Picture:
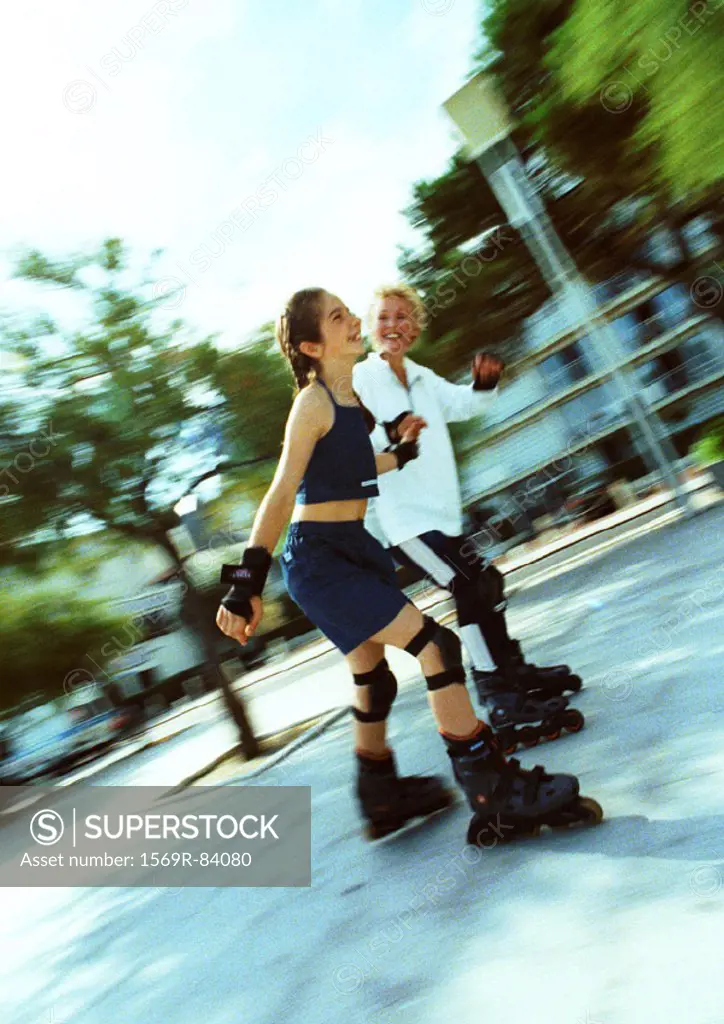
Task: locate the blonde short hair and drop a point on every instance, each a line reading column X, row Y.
column 398, row 291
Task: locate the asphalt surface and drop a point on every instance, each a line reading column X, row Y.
column 617, row 924
column 278, row 695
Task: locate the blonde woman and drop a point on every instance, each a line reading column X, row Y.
column 419, row 517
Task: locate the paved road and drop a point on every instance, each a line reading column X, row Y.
column 280, row 695
column 623, row 924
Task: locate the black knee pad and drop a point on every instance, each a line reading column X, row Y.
column 451, row 653
column 383, row 690
column 494, row 583
column 450, row 650
column 481, row 595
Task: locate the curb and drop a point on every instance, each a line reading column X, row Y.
column 666, row 517
column 323, row 647
column 327, row 720
column 124, row 755
column 659, row 510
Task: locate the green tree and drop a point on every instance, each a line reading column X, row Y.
column 658, row 59
column 47, row 637
column 616, row 98
column 615, row 164
column 110, row 423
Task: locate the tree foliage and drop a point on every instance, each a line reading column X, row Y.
column 608, row 103
column 109, row 424
column 132, row 411
column 656, row 63
column 52, row 641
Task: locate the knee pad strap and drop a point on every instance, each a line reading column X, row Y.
column 446, row 678
column 383, row 690
column 423, row 638
column 451, row 653
column 450, row 650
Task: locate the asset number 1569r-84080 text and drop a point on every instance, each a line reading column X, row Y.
column 204, row 860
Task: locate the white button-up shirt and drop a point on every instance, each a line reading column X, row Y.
column 425, row 494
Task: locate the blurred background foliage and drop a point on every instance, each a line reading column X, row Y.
column 620, row 130
column 47, row 637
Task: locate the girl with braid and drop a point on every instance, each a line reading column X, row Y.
column 344, row 581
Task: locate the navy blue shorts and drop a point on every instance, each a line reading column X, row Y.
column 343, row 580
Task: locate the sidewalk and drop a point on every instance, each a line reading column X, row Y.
column 619, row 924
column 280, row 695
column 274, row 706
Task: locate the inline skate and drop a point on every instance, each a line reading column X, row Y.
column 543, row 681
column 508, row 801
column 389, row 801
column 520, row 717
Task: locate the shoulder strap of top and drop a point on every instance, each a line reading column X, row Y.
column 320, row 381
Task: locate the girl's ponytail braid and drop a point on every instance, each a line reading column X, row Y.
column 300, row 322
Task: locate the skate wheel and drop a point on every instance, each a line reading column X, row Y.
column 583, row 811
column 591, row 810
column 447, row 799
column 510, row 749
column 528, row 737
column 573, row 721
column 555, row 735
column 379, row 829
column 574, row 684
column 373, row 831
column 488, row 833
column 476, row 830
column 485, row 833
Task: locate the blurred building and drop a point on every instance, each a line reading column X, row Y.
column 560, row 424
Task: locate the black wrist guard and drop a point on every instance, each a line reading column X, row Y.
column 248, row 580
column 405, row 452
column 478, row 385
column 238, row 603
column 392, row 427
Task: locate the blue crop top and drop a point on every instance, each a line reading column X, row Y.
column 342, row 466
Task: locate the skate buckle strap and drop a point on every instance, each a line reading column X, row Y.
column 533, row 781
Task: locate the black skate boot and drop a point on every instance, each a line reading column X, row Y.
column 389, row 801
column 519, row 717
column 507, row 800
column 543, row 681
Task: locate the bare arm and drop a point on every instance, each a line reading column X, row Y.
column 310, row 418
column 385, row 462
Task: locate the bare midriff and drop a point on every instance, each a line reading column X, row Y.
column 331, row 511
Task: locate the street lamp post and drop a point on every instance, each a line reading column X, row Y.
column 482, row 118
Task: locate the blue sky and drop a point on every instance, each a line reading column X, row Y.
column 168, row 122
